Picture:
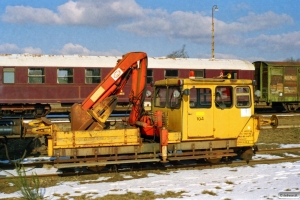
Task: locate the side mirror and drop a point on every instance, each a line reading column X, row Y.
column 148, row 93
column 186, row 92
column 176, row 94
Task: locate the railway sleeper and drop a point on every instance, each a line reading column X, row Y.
column 107, row 158
column 88, row 164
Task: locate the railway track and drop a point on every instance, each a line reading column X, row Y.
column 48, row 163
column 285, row 120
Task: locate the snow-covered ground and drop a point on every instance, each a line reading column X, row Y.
column 261, row 181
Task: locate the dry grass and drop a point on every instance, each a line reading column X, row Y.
column 229, row 182
column 145, row 195
column 116, row 177
column 209, row 192
column 7, row 187
column 273, row 138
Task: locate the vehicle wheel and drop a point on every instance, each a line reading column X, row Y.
column 97, row 168
column 247, row 155
column 213, row 160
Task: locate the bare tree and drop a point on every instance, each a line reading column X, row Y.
column 291, row 59
column 181, row 53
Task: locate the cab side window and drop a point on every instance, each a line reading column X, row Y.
column 200, row 98
column 223, row 97
column 174, row 97
column 243, row 97
column 160, row 97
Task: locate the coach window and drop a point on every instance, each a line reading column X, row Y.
column 160, row 97
column 149, row 76
column 199, row 73
column 223, row 97
column 171, row 73
column 36, row 75
column 8, row 75
column 64, row 75
column 92, row 76
column 200, row 98
column 243, row 97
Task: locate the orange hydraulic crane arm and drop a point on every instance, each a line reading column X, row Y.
column 114, row 79
column 99, row 104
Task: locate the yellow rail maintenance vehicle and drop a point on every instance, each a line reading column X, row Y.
column 190, row 119
column 210, row 115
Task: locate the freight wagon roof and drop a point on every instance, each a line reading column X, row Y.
column 278, row 64
column 32, row 60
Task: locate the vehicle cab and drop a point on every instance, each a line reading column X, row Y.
column 208, row 109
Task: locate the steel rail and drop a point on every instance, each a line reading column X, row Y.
column 161, row 166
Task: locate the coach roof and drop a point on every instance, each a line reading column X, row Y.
column 38, row 60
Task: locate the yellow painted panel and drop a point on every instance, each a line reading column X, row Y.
column 249, row 135
column 244, row 142
column 200, row 113
column 174, row 137
column 129, row 136
column 229, row 123
column 63, row 138
column 50, row 147
column 174, row 117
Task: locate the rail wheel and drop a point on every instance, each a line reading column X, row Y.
column 247, row 155
column 97, row 168
column 290, row 107
column 41, row 110
column 213, row 160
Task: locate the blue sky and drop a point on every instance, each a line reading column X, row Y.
column 249, row 30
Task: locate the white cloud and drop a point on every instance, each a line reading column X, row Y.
column 287, row 42
column 22, row 14
column 240, row 6
column 100, row 13
column 268, row 20
column 145, row 22
column 176, row 25
column 69, row 49
column 197, row 26
column 128, row 16
column 13, row 48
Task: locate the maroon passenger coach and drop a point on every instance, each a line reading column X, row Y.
column 37, row 84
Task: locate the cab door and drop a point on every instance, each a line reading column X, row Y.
column 200, row 113
column 225, row 114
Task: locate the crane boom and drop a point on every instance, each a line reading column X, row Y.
column 97, row 107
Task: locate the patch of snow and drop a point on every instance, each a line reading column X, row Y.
column 261, row 181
